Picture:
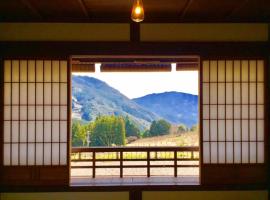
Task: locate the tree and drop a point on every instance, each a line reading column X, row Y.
column 194, row 127
column 182, row 128
column 131, row 129
column 79, row 134
column 108, row 131
column 160, row 127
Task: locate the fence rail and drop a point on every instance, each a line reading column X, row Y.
column 96, row 155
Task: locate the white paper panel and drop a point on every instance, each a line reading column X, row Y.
column 47, row 93
column 55, row 93
column 245, row 70
column 7, row 70
column 213, row 130
column 39, row 131
column 55, row 155
column 237, row 111
column 23, row 112
column 245, row 111
column 252, row 111
column 31, row 70
column 23, row 154
column 206, row 130
column 55, row 71
column 31, row 112
column 55, row 131
column 252, row 93
column 15, row 93
column 205, row 93
column 31, row 131
column 221, row 111
column 245, row 152
column 213, row 111
column 23, row 93
column 63, row 154
column 237, row 93
column 213, row 93
column 206, row 112
column 206, row 71
column 47, row 71
column 39, row 73
column 252, row 70
column 229, row 93
column 245, row 130
column 236, row 72
column 237, row 152
column 31, row 153
column 260, row 130
column 237, row 130
column 221, row 93
column 39, row 94
column 55, row 113
column 244, row 93
column 23, row 131
column 221, row 130
column 213, row 71
column 260, row 93
column 47, row 131
column 229, row 130
column 47, row 153
column 229, row 71
column 229, row 152
column 206, row 152
column 63, row 71
column 15, row 154
column 31, row 93
column 221, row 152
column 7, row 93
column 260, row 152
column 213, row 152
column 6, row 154
column 15, row 113
column 63, row 131
column 252, row 130
column 15, row 131
column 260, row 70
column 47, row 112
column 7, row 112
column 39, row 112
column 63, row 94
column 229, row 111
column 63, row 112
column 23, row 71
column 6, row 131
column 252, row 152
column 39, row 154
column 260, row 111
column 221, row 71
column 15, row 70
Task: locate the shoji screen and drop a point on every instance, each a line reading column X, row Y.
column 233, row 131
column 35, row 127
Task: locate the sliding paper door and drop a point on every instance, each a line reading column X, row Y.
column 35, row 122
column 233, row 121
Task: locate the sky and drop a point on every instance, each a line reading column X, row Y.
column 138, row 84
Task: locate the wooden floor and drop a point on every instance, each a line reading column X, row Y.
column 115, row 181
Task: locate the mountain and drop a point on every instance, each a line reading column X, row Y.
column 92, row 97
column 176, row 107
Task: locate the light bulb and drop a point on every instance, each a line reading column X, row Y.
column 137, row 13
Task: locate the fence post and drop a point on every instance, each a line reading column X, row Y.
column 94, row 165
column 175, row 163
column 148, row 163
column 121, row 164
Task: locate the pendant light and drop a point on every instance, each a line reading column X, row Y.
column 137, row 13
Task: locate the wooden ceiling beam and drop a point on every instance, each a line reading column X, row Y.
column 84, row 8
column 30, row 7
column 186, row 7
column 237, row 8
